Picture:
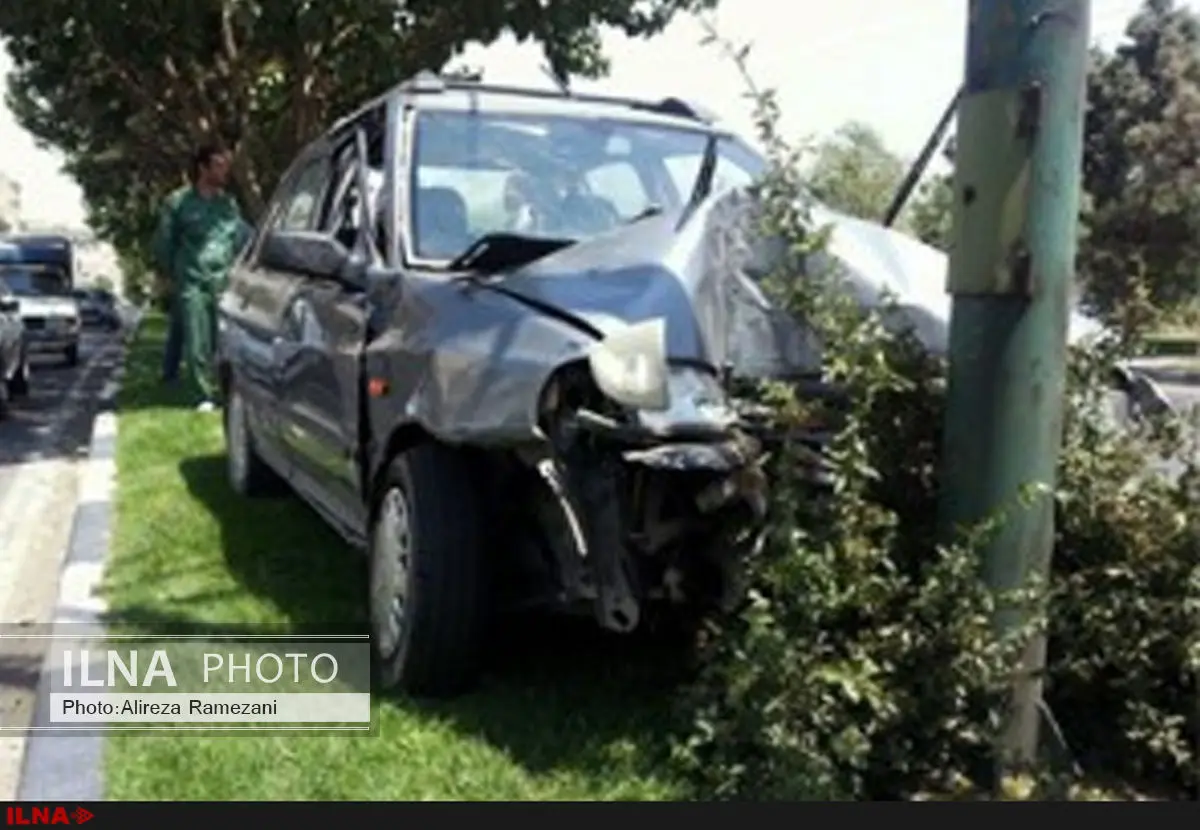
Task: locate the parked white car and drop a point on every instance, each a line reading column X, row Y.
column 48, row 310
column 14, row 358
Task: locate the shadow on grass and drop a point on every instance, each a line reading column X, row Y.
column 556, row 692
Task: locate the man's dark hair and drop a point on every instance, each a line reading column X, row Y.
column 204, row 154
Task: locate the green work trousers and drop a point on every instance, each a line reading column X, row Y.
column 198, row 311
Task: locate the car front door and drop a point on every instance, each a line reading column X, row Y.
column 254, row 311
column 327, row 330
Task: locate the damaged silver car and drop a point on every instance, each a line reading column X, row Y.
column 489, row 335
column 486, row 334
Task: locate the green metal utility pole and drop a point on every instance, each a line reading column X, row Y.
column 1017, row 183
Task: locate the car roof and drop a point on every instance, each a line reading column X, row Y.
column 429, row 91
column 35, row 240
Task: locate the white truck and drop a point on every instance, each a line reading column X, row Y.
column 40, row 271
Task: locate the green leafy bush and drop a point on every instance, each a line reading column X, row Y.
column 864, row 663
column 1121, row 674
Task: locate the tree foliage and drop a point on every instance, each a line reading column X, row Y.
column 864, row 663
column 126, row 88
column 1142, row 163
column 929, row 215
column 853, row 171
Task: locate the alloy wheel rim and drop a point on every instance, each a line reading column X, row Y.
column 390, row 567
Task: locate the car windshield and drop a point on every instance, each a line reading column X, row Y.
column 550, row 176
column 34, row 280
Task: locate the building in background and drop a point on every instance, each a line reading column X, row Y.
column 10, row 204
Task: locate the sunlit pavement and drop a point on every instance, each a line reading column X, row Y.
column 40, row 444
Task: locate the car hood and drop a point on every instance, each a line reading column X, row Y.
column 703, row 279
column 699, row 278
column 57, row 306
column 879, row 261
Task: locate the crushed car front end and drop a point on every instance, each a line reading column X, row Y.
column 583, row 346
column 651, row 487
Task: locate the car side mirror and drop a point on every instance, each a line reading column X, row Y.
column 9, row 305
column 304, row 252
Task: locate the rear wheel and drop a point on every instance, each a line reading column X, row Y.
column 18, row 384
column 428, row 595
column 248, row 474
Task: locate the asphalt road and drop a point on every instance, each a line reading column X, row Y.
column 40, row 445
column 54, row 418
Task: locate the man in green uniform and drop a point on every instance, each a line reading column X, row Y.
column 200, row 232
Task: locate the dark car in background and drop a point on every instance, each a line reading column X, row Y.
column 98, row 309
column 14, row 357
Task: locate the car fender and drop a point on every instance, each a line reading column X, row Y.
column 458, row 363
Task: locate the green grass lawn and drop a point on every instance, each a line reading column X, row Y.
column 564, row 713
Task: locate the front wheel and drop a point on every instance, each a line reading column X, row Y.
column 72, row 354
column 428, row 595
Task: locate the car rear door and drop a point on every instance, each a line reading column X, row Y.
column 256, row 309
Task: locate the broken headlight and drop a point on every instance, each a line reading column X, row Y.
column 696, row 403
column 630, row 365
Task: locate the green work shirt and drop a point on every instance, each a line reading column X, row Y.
column 198, row 237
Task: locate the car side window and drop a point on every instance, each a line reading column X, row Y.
column 302, row 207
column 338, row 213
column 343, row 216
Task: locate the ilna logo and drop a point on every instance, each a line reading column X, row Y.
column 46, row 815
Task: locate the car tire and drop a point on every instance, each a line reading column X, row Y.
column 5, row 396
column 248, row 474
column 18, row 384
column 72, row 355
column 427, row 590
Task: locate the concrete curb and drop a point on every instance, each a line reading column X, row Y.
column 61, row 768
